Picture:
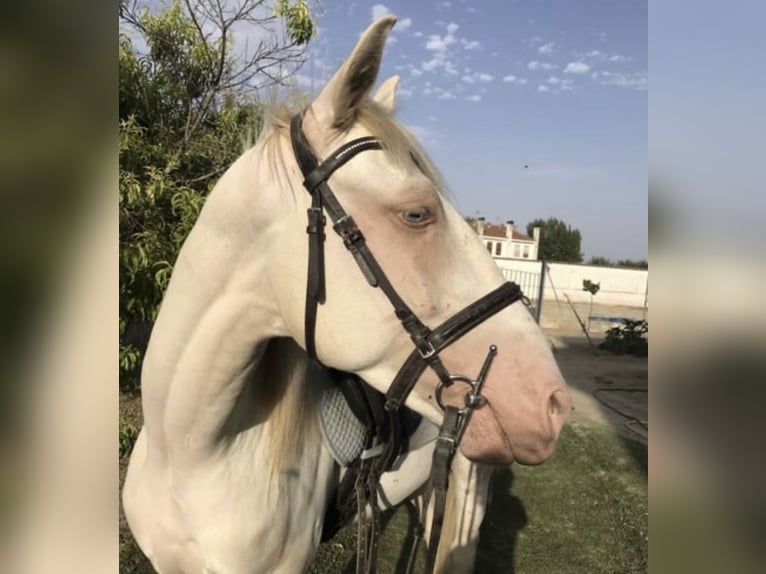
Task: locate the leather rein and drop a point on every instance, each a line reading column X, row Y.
column 384, row 450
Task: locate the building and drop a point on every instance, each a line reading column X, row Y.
column 506, row 242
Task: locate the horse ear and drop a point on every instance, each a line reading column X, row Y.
column 386, row 94
column 338, row 102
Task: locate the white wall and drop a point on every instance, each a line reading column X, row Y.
column 626, row 287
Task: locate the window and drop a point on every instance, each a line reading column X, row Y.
column 526, row 252
column 498, row 247
column 489, row 247
column 517, row 251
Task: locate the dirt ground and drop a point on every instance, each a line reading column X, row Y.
column 601, row 384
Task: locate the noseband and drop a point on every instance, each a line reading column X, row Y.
column 428, row 342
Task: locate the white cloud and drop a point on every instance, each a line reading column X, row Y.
column 482, row 77
column 600, row 56
column 514, row 80
column 636, row 80
column 470, row 44
column 379, row 10
column 425, row 135
column 415, row 72
column 391, row 40
column 542, row 88
column 444, row 94
column 438, row 44
column 404, row 93
column 535, row 65
column 576, row 68
column 546, row 49
column 553, row 80
column 474, row 98
column 567, row 85
column 403, row 24
column 418, row 34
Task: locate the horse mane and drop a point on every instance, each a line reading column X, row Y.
column 293, row 427
column 399, row 145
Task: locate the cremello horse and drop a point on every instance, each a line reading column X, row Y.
column 229, row 474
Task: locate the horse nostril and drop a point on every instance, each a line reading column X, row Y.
column 559, row 404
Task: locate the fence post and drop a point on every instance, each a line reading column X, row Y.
column 540, row 290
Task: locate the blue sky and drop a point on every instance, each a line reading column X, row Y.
column 490, row 87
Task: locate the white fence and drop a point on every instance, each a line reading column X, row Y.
column 623, row 287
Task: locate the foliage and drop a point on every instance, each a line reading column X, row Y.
column 128, row 435
column 185, row 112
column 627, row 340
column 299, row 23
column 558, row 241
column 590, row 286
column 600, row 260
column 606, row 262
column 636, row 264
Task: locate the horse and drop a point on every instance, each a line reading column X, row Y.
column 229, row 474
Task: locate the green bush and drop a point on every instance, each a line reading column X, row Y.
column 128, row 435
column 627, row 340
column 187, row 108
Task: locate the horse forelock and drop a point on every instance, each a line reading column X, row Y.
column 399, row 145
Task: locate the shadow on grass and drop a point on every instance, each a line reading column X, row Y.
column 505, row 519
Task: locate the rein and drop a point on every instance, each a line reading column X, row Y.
column 385, row 441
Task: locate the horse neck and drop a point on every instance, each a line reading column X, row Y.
column 204, row 371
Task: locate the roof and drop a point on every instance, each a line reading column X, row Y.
column 492, row 230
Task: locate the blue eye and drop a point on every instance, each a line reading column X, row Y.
column 415, row 216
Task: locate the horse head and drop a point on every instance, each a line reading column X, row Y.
column 433, row 260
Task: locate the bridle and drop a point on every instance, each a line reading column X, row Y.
column 428, row 342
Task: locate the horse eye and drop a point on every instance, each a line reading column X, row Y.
column 415, row 216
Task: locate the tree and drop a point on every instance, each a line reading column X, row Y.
column 185, row 109
column 600, row 260
column 558, row 241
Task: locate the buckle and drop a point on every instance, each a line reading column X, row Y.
column 316, row 220
column 346, row 227
column 426, row 350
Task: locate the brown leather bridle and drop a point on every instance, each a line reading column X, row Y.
column 428, row 342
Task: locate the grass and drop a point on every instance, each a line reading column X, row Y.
column 585, row 510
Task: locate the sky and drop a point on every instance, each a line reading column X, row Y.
column 531, row 109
